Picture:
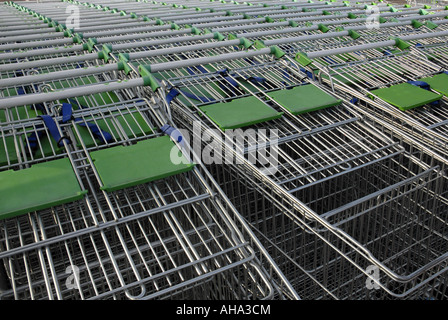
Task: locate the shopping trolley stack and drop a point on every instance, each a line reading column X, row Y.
column 94, row 208
column 341, row 199
column 180, row 100
column 400, row 81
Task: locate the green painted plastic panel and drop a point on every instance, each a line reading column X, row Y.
column 438, row 83
column 406, row 96
column 303, row 99
column 190, row 102
column 240, row 113
column 41, row 186
column 149, row 160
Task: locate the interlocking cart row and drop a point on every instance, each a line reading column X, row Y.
column 222, row 150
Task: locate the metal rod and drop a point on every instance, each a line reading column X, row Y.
column 186, row 48
column 69, row 93
column 374, row 45
column 41, row 52
column 47, row 62
column 57, row 75
column 32, row 44
column 206, row 60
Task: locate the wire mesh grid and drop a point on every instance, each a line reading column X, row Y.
column 372, row 72
column 145, row 258
column 334, row 177
column 165, row 239
column 345, row 196
column 361, row 74
column 336, row 126
column 392, row 229
column 435, row 52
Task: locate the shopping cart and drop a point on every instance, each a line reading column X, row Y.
column 17, row 34
column 95, row 232
column 331, row 206
column 286, row 35
column 373, row 74
column 50, row 96
column 96, row 36
column 330, row 178
column 167, row 234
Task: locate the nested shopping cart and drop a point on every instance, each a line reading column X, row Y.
column 43, row 56
column 339, row 190
column 404, row 86
column 184, row 48
column 69, row 92
column 94, row 208
column 287, row 36
column 96, row 36
column 332, row 208
column 19, row 35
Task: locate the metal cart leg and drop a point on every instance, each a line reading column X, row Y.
column 4, row 283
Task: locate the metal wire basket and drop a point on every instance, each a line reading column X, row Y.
column 170, row 238
column 340, row 197
column 353, row 207
column 361, row 78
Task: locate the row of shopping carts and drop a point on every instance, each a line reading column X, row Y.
column 73, row 228
column 298, row 150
